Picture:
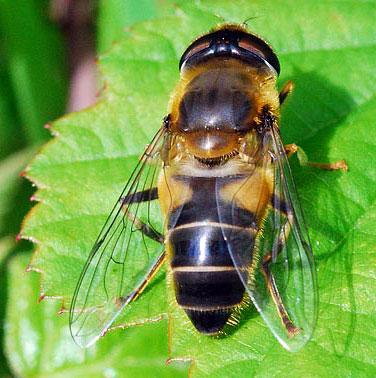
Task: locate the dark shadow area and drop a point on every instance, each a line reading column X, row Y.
column 312, row 115
column 20, row 197
column 315, row 106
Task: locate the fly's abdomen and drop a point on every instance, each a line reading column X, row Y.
column 207, row 283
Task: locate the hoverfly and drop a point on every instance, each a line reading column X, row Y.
column 218, row 172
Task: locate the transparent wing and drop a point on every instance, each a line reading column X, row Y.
column 283, row 241
column 122, row 255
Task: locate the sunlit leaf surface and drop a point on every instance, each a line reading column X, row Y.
column 328, row 49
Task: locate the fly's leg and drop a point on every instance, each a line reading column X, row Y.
column 285, row 91
column 144, row 228
column 150, row 275
column 142, row 196
column 291, row 149
column 268, row 275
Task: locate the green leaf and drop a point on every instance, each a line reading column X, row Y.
column 327, row 49
column 38, row 342
column 115, row 16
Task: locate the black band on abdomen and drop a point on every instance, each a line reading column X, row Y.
column 208, row 290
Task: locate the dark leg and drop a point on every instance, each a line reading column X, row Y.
column 285, row 91
column 144, row 228
column 335, row 166
column 268, row 275
column 142, row 196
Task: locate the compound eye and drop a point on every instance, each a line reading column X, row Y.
column 257, row 46
column 248, row 45
column 195, row 48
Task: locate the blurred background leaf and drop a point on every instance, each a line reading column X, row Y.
column 36, row 70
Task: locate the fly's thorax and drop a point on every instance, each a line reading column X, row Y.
column 218, row 102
